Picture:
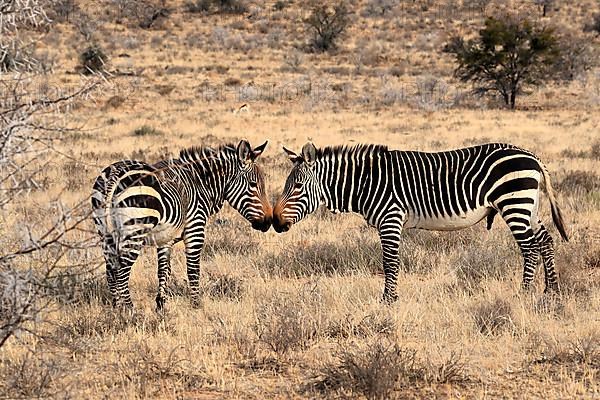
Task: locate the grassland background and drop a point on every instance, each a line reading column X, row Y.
column 282, row 313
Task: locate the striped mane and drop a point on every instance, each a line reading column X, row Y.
column 201, row 153
column 345, row 149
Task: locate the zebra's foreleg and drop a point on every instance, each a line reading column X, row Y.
column 389, row 235
column 164, row 271
column 546, row 246
column 194, row 241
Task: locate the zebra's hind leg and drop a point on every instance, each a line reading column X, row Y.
column 164, row 271
column 523, row 234
column 546, row 246
column 112, row 266
column 389, row 234
column 128, row 252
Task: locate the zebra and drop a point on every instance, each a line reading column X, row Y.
column 135, row 204
column 449, row 190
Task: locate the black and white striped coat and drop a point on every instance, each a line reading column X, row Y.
column 448, row 190
column 137, row 204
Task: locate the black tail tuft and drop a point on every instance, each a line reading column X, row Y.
column 558, row 221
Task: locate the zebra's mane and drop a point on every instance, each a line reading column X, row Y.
column 203, row 153
column 344, row 149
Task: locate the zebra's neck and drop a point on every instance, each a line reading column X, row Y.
column 346, row 177
column 211, row 174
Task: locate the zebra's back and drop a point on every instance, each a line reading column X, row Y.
column 454, row 189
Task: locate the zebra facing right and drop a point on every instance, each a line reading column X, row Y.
column 137, row 204
column 451, row 190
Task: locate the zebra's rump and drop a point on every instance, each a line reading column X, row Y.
column 127, row 197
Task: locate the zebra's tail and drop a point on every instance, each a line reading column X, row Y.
column 556, row 214
column 98, row 198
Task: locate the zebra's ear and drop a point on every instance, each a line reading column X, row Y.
column 244, row 151
column 309, row 153
column 293, row 156
column 259, row 150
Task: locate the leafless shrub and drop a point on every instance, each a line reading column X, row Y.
column 217, row 6
column 493, row 317
column 62, row 10
column 373, row 371
column 577, row 55
column 451, row 369
column 583, row 348
column 30, row 376
column 148, row 372
column 293, row 61
column 17, row 56
column 80, row 288
column 378, row 8
column 432, row 94
column 93, row 60
column 144, row 14
column 225, row 287
column 27, row 131
column 369, row 325
column 283, row 323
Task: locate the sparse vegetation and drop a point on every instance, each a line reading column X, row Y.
column 296, row 315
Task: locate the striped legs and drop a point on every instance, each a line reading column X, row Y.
column 112, row 266
column 194, row 242
column 546, row 246
column 531, row 256
column 164, row 271
column 120, row 254
column 389, row 234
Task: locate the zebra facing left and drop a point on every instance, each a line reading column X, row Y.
column 449, row 190
column 136, row 204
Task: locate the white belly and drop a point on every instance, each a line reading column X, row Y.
column 449, row 223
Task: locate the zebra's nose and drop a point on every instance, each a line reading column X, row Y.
column 280, row 225
column 262, row 224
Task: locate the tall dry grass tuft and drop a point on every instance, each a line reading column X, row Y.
column 493, row 317
column 373, row 370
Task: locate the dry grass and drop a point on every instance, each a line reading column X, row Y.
column 298, row 315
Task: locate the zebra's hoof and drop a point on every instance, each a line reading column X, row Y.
column 160, row 303
column 552, row 288
column 196, row 303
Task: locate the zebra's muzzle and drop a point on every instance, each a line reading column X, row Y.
column 281, row 225
column 262, row 224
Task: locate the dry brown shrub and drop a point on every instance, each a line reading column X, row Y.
column 373, row 370
column 493, row 317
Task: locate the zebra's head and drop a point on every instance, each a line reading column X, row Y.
column 302, row 192
column 246, row 190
